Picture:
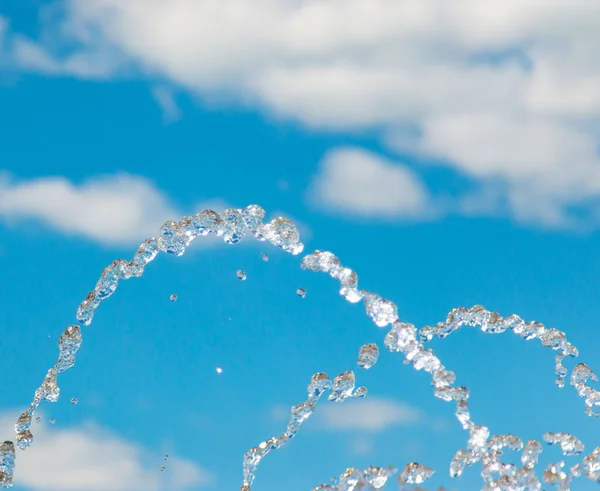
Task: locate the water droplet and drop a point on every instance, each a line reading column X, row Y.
column 368, row 355
column 265, row 257
column 173, row 298
column 52, row 421
column 414, row 474
column 24, row 439
column 240, row 274
column 74, row 400
column 162, row 468
column 166, row 456
column 38, row 419
column 301, row 292
column 7, row 464
column 219, row 370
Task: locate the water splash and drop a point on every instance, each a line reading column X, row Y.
column 415, row 473
column 319, row 384
column 233, row 225
column 353, row 479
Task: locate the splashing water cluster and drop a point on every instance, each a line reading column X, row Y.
column 233, row 225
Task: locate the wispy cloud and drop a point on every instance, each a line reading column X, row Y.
column 166, row 100
column 373, row 415
column 507, row 95
column 360, row 183
column 91, row 458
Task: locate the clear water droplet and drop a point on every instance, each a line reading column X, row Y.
column 301, row 292
column 265, row 257
column 219, row 370
column 166, row 456
column 368, row 355
column 240, row 274
column 52, row 421
column 74, row 400
column 38, row 419
column 173, row 298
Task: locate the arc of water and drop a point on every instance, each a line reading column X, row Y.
column 402, row 337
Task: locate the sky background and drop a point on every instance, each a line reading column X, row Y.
column 448, row 153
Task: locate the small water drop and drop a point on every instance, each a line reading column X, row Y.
column 163, row 468
column 219, row 370
column 367, row 355
column 166, row 456
column 52, row 421
column 301, row 292
column 240, row 274
column 265, row 257
column 74, row 400
column 173, row 298
column 38, row 419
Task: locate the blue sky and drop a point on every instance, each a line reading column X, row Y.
column 429, row 157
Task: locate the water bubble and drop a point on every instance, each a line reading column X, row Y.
column 240, row 274
column 173, row 298
column 301, row 292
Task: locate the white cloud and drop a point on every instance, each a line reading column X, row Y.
column 119, row 209
column 374, row 414
column 90, row 458
column 354, row 181
column 114, row 210
column 505, row 91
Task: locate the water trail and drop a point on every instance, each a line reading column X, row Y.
column 232, row 226
column 353, row 479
